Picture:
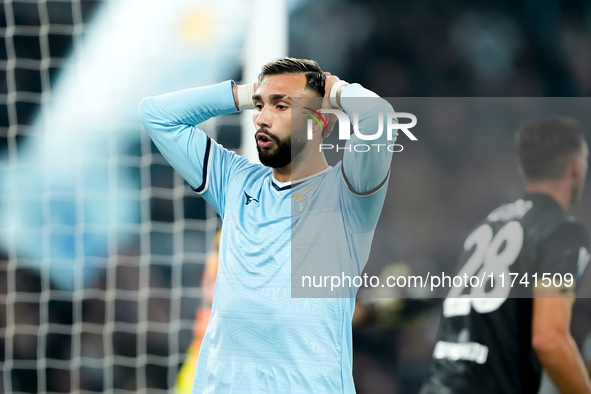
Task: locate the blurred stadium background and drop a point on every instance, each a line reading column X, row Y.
column 102, row 245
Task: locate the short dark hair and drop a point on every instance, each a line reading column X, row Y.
column 545, row 146
column 315, row 78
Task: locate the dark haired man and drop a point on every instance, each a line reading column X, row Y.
column 260, row 339
column 498, row 340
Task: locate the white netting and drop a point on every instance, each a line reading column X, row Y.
column 102, row 245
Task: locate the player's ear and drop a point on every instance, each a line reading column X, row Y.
column 331, row 120
column 317, row 128
column 577, row 164
column 575, row 167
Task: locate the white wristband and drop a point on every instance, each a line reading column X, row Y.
column 245, row 93
column 335, row 93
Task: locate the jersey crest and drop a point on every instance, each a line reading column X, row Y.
column 301, row 199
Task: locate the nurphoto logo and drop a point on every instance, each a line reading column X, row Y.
column 391, row 121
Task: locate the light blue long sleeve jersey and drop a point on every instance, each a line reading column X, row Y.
column 260, row 339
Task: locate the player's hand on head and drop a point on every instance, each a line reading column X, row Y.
column 243, row 95
column 328, row 84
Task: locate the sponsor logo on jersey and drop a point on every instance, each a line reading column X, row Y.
column 250, row 199
column 465, row 351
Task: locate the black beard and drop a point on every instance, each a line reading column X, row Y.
column 283, row 154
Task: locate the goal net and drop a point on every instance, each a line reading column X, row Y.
column 102, row 244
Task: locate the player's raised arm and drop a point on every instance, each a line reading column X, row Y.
column 171, row 121
column 365, row 171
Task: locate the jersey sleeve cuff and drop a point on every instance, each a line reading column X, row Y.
column 220, row 97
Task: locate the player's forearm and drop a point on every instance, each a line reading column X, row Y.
column 561, row 359
column 367, row 170
column 187, row 107
column 170, row 120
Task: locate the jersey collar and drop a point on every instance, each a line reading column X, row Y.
column 279, row 186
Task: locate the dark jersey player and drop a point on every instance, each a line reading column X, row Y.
column 498, row 338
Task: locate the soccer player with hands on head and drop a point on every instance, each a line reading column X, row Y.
column 293, row 207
